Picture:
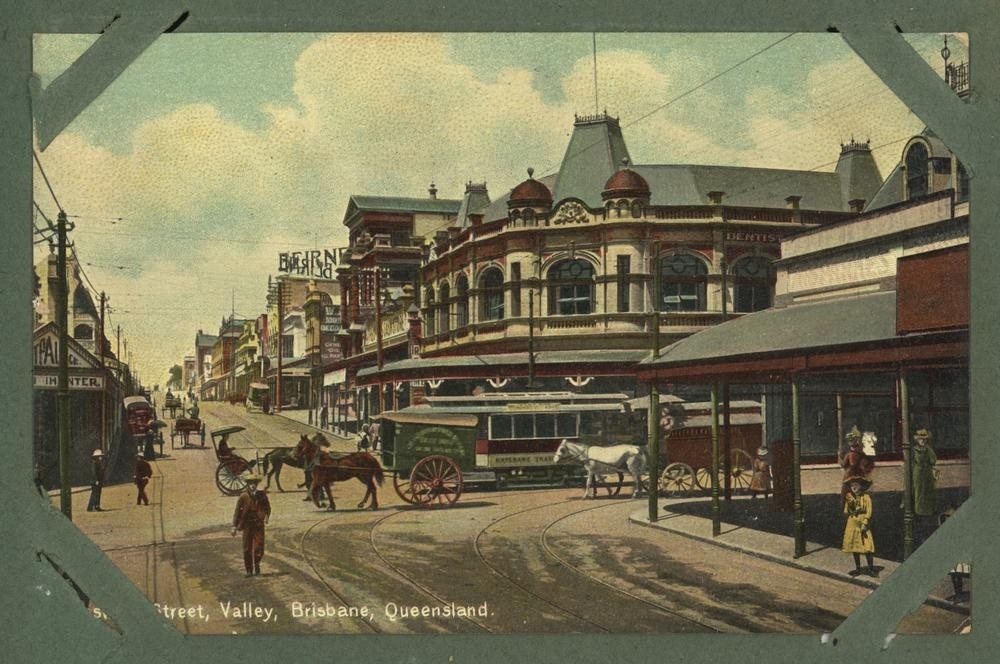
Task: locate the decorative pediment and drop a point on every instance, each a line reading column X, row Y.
column 571, row 212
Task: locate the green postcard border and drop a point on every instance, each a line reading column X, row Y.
column 43, row 620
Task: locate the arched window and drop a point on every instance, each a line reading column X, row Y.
column 963, row 183
column 682, row 283
column 529, row 217
column 916, row 171
column 445, row 323
column 491, row 294
column 83, row 331
column 622, row 209
column 636, row 209
column 461, row 301
column 571, row 288
column 753, row 281
column 429, row 313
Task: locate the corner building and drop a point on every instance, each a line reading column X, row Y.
column 554, row 282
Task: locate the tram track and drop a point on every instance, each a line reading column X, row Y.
column 562, row 561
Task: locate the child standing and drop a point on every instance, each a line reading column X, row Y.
column 760, row 481
column 857, row 532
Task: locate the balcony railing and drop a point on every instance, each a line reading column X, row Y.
column 957, row 76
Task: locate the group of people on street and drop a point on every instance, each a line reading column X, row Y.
column 141, row 476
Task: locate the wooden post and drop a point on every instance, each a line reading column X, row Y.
column 799, row 518
column 281, row 328
column 62, row 394
column 840, row 428
column 716, row 509
column 653, row 430
column 902, row 393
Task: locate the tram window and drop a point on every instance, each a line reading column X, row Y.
column 545, row 425
column 524, row 426
column 591, row 424
column 500, row 427
column 566, row 425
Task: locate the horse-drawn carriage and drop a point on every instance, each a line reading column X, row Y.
column 141, row 422
column 183, row 428
column 232, row 471
column 173, row 403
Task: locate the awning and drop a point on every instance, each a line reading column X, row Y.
column 845, row 333
column 337, row 377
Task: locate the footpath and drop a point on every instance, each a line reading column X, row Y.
column 755, row 526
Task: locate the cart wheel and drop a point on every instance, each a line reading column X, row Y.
column 677, row 479
column 614, row 486
column 740, row 469
column 401, row 483
column 230, row 476
column 703, row 478
column 436, row 481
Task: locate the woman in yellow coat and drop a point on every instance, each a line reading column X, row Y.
column 857, row 532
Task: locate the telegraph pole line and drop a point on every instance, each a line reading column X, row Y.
column 104, row 376
column 62, row 394
column 280, row 330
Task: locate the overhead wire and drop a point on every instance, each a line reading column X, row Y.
column 46, row 178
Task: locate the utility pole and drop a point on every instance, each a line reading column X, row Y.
column 62, row 395
column 118, row 345
column 531, row 338
column 378, row 334
column 104, row 377
column 653, row 427
column 280, row 325
column 232, row 347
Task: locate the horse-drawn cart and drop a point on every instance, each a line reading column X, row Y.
column 428, row 453
column 232, row 471
column 172, row 404
column 183, row 427
column 141, row 423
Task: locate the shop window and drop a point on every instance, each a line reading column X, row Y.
column 571, row 288
column 461, row 301
column 963, row 183
column 753, row 282
column 683, row 280
column 917, row 180
column 491, row 292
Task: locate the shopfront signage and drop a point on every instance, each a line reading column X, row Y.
column 313, row 263
column 743, row 236
column 47, row 381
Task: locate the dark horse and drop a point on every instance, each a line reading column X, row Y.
column 327, row 469
column 276, row 459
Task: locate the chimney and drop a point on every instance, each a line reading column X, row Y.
column 792, row 202
column 715, row 197
column 857, row 204
column 433, row 191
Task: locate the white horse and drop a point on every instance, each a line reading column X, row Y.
column 597, row 459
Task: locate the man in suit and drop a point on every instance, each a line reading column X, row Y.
column 143, row 471
column 252, row 513
column 95, row 488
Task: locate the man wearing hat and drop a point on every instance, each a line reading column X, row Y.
column 924, row 459
column 95, row 488
column 856, row 463
column 252, row 512
column 143, row 471
column 857, row 531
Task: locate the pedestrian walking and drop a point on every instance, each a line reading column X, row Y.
column 365, row 440
column 922, row 468
column 374, row 435
column 858, row 537
column 760, row 481
column 98, row 483
column 324, row 417
column 143, row 471
column 252, row 513
column 855, row 463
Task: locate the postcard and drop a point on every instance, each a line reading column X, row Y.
column 505, row 333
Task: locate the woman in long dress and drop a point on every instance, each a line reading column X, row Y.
column 857, row 531
column 760, row 481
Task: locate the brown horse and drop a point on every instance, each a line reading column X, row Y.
column 327, row 469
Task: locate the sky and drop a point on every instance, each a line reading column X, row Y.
column 211, row 154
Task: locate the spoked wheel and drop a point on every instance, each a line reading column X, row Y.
column 173, row 433
column 401, row 483
column 740, row 469
column 703, row 478
column 231, row 475
column 611, row 483
column 677, row 479
column 436, row 481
